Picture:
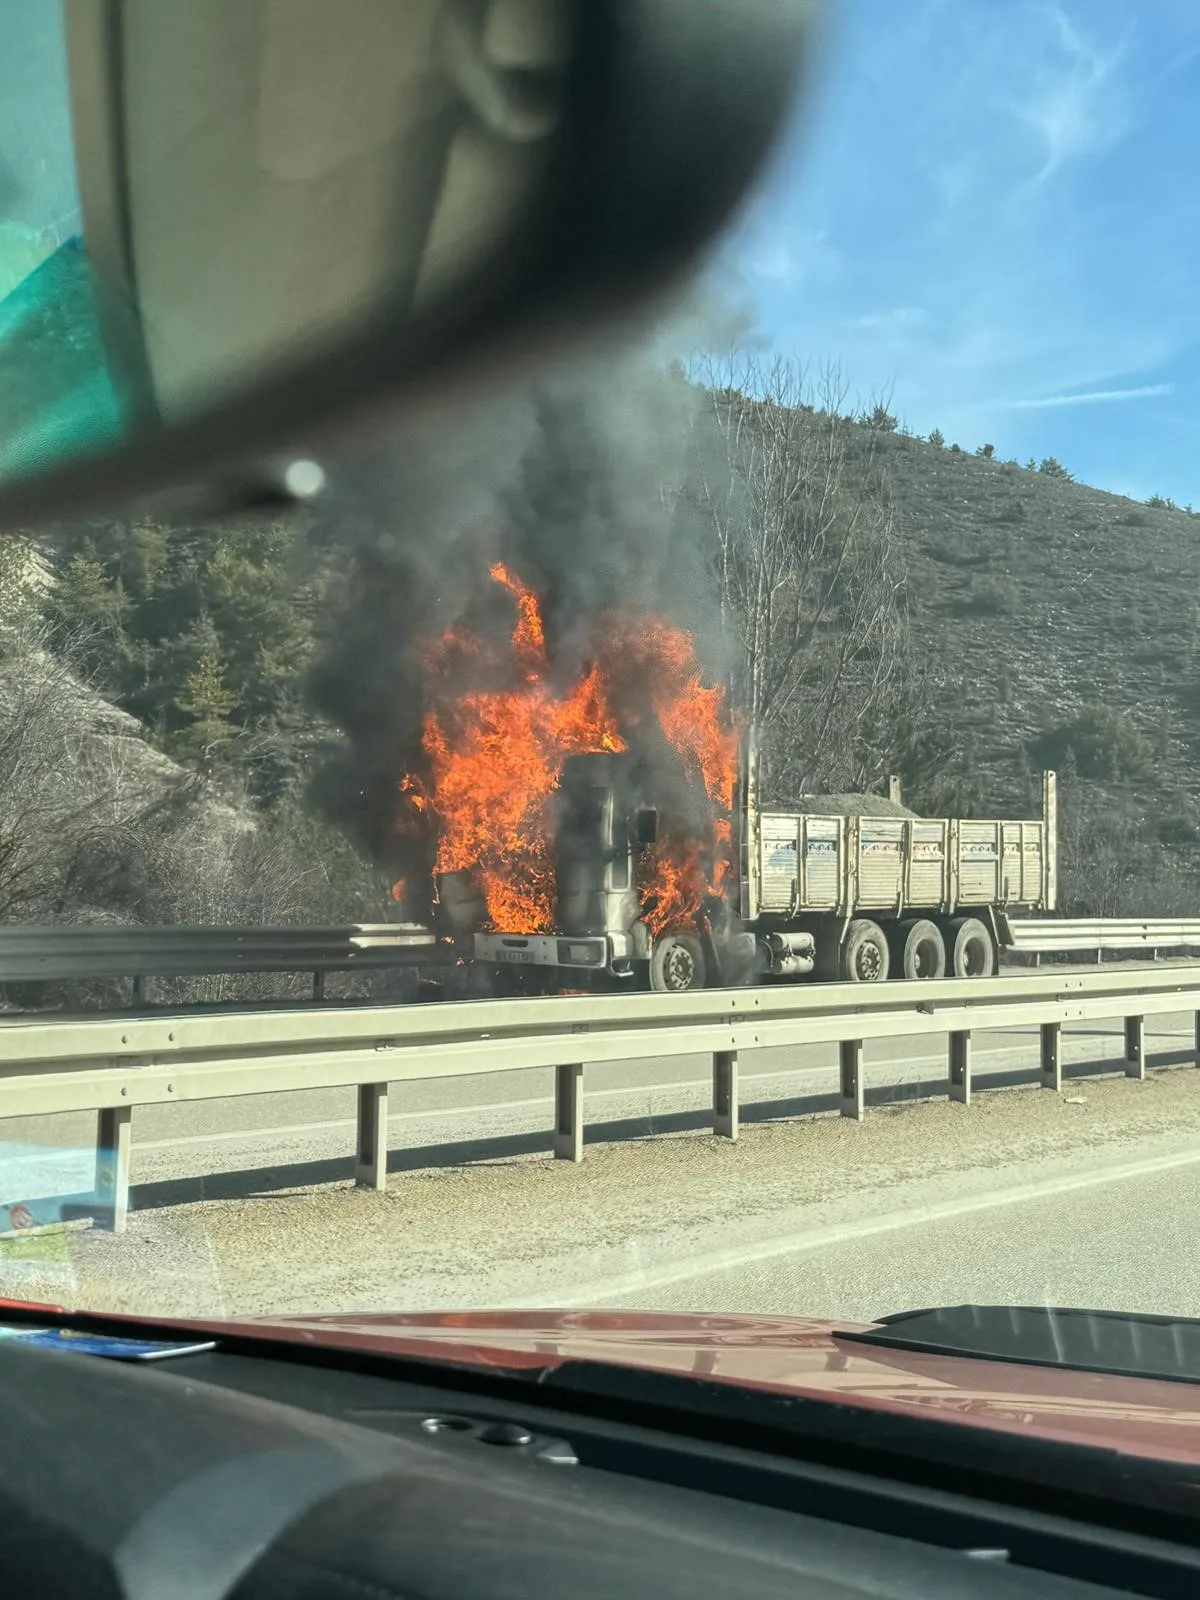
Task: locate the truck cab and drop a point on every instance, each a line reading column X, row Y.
column 601, row 825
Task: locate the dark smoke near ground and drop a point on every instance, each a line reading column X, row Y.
column 577, row 483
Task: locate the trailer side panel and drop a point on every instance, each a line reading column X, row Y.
column 803, row 864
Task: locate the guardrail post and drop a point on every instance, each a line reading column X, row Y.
column 1198, row 1038
column 851, row 1051
column 114, row 1136
column 138, row 992
column 568, row 1112
column 725, row 1094
column 370, row 1165
column 1052, row 1056
column 960, row 1066
column 319, row 985
column 1135, row 1055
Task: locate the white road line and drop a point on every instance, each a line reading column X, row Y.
column 818, row 1237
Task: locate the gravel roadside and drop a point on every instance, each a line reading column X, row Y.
column 531, row 1229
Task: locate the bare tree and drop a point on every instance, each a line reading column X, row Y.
column 1108, row 863
column 50, row 790
column 811, row 587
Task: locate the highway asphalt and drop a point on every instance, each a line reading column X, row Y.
column 1110, row 1232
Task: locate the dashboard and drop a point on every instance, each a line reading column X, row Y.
column 259, row 1474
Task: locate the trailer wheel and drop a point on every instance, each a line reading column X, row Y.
column 676, row 964
column 865, row 957
column 969, row 950
column 917, row 949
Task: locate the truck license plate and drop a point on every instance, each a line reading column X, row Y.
column 515, row 955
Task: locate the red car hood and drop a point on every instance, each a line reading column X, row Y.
column 1150, row 1417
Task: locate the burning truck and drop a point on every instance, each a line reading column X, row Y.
column 598, row 822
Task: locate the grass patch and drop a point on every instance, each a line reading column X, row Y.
column 44, row 1245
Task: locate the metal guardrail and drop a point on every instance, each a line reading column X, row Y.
column 1118, row 935
column 33, row 953
column 39, row 953
column 110, row 1065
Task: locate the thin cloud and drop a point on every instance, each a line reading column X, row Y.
column 774, row 260
column 1076, row 106
column 786, row 255
column 897, row 319
column 1094, row 397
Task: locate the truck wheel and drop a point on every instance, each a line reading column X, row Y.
column 676, row 964
column 917, row 949
column 969, row 952
column 864, row 956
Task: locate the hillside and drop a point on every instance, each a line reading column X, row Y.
column 956, row 619
column 1043, row 596
column 1062, row 625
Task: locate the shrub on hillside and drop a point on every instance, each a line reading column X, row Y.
column 990, row 597
column 1110, row 865
column 957, row 553
column 1099, row 742
column 937, row 438
column 1180, row 825
column 987, row 451
column 880, row 418
column 1051, row 468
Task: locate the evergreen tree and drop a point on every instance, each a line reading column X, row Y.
column 204, row 701
column 88, row 610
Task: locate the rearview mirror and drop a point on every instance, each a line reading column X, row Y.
column 645, row 827
column 252, row 218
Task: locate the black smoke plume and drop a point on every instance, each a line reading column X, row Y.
column 584, row 485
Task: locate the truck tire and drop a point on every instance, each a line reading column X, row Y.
column 864, row 956
column 969, row 950
column 917, row 949
column 676, row 964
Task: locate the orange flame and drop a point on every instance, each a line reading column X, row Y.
column 495, row 757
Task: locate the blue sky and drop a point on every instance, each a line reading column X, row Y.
column 991, row 208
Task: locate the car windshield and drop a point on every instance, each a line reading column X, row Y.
column 711, row 824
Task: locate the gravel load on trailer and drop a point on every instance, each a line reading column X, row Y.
column 842, row 805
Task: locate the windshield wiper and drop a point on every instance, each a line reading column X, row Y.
column 1127, row 1344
